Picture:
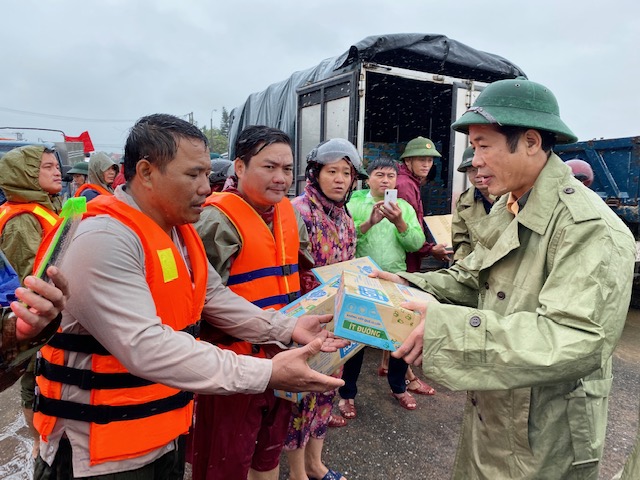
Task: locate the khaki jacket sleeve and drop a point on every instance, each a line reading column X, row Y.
column 524, row 336
column 220, row 238
column 460, row 238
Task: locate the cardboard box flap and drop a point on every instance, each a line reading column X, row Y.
column 361, row 265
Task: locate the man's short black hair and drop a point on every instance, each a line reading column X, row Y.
column 513, row 135
column 155, row 138
column 255, row 138
column 382, row 162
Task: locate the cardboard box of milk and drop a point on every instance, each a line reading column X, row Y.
column 361, row 265
column 367, row 310
column 317, row 302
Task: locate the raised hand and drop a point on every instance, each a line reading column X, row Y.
column 41, row 303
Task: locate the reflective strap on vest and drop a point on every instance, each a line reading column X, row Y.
column 285, row 299
column 279, row 271
column 43, row 213
column 103, row 414
column 87, row 379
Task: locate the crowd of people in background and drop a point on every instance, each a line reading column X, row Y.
column 164, row 340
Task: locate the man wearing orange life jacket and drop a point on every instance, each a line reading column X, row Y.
column 31, row 179
column 102, row 173
column 253, row 237
column 113, row 383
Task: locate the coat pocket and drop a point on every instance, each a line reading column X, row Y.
column 587, row 415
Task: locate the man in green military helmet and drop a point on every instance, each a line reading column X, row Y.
column 530, row 318
column 472, row 207
column 416, row 163
column 79, row 173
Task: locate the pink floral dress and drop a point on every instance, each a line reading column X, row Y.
column 333, row 239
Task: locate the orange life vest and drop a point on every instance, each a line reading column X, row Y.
column 265, row 272
column 47, row 219
column 129, row 416
column 91, row 186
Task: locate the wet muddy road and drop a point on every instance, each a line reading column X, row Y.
column 387, row 442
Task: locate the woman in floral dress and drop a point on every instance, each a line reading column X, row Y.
column 332, row 171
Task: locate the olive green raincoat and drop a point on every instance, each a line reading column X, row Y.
column 21, row 237
column 546, row 295
column 468, row 210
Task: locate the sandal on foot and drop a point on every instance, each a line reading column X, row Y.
column 330, row 475
column 405, row 400
column 421, row 389
column 336, row 421
column 382, row 371
column 347, row 408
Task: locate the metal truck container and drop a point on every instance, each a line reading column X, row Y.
column 616, row 168
column 379, row 94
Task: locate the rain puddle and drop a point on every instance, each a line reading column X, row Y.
column 15, row 443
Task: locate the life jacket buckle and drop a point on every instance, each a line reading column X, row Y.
column 287, row 270
column 37, row 367
column 292, row 296
column 36, row 401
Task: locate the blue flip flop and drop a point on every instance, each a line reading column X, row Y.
column 330, row 475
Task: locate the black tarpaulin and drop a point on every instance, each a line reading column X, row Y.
column 432, row 53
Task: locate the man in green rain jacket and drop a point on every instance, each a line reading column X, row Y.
column 31, row 180
column 530, row 318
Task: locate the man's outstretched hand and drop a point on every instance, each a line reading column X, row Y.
column 310, row 327
column 411, row 349
column 291, row 372
column 392, row 277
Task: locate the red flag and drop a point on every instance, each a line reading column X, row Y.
column 84, row 138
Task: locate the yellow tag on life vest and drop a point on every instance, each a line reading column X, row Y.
column 168, row 263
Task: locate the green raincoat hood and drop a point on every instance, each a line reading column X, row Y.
column 100, row 162
column 19, row 171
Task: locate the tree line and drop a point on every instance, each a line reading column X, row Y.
column 219, row 137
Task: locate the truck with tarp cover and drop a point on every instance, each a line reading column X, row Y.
column 616, row 178
column 379, row 94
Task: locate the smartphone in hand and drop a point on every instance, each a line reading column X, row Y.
column 390, row 196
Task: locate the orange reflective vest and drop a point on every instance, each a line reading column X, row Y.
column 91, row 186
column 47, row 219
column 265, row 272
column 129, row 416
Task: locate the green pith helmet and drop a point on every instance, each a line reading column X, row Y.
column 420, row 147
column 467, row 158
column 81, row 168
column 518, row 103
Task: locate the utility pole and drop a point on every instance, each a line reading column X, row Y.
column 211, row 124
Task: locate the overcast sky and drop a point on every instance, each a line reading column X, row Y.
column 78, row 65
